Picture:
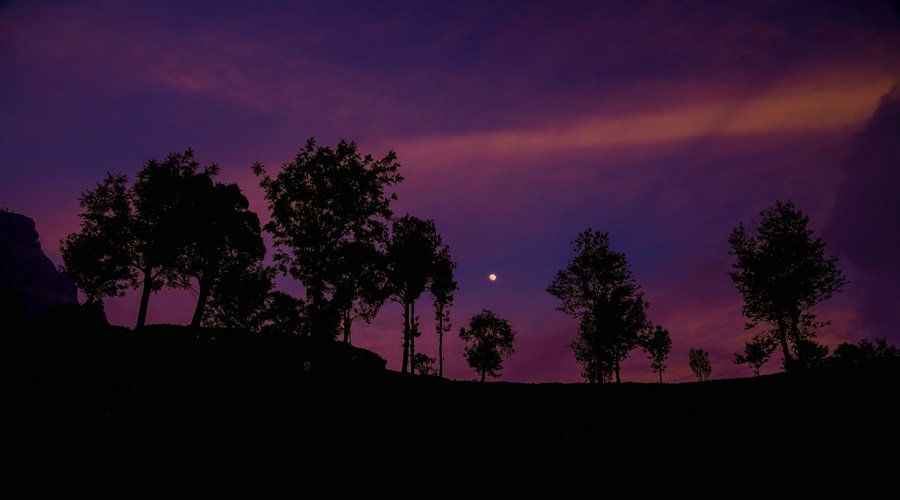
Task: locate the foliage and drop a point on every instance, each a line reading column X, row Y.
column 783, row 272
column 443, row 286
column 657, row 344
column 865, row 351
column 598, row 288
column 322, row 202
column 225, row 247
column 489, row 340
column 698, row 360
column 284, row 315
column 756, row 352
column 424, row 364
column 416, row 256
column 138, row 236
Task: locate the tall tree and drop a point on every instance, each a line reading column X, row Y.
column 225, row 247
column 321, row 202
column 136, row 236
column 490, row 339
column 657, row 344
column 443, row 286
column 412, row 254
column 782, row 271
column 598, row 288
column 756, row 352
column 698, row 361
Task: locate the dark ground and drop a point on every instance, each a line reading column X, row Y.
column 236, row 390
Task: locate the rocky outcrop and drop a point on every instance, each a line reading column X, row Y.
column 25, row 270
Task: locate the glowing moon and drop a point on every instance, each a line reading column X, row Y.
column 492, row 277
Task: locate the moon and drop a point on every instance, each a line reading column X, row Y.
column 492, row 277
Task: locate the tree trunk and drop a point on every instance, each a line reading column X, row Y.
column 405, row 336
column 660, row 375
column 618, row 379
column 412, row 338
column 795, row 334
column 201, row 304
column 482, row 376
column 782, row 338
column 441, row 343
column 145, row 298
column 347, row 323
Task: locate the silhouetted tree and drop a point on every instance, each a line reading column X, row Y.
column 322, row 201
column 240, row 296
column 756, row 352
column 424, row 364
column 443, row 286
column 699, row 363
column 782, row 272
column 137, row 235
column 598, row 288
column 489, row 340
column 360, row 288
column 846, row 354
column 412, row 253
column 99, row 257
column 657, row 344
column 225, row 248
column 284, row 315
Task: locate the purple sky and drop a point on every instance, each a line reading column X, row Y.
column 518, row 124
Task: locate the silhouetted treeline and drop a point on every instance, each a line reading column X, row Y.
column 333, row 228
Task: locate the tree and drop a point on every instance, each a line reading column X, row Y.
column 598, row 288
column 360, row 286
column 846, row 354
column 413, row 261
column 699, row 363
column 756, row 352
column 98, row 258
column 424, row 364
column 489, row 340
column 284, row 315
column 783, row 272
column 137, row 236
column 321, row 202
column 225, row 251
column 443, row 286
column 240, row 296
column 657, row 344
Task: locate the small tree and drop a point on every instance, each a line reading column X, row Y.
column 756, row 352
column 424, row 364
column 284, row 315
column 489, row 340
column 657, row 344
column 699, row 363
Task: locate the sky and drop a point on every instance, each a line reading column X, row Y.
column 517, row 125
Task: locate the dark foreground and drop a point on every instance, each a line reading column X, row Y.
column 258, row 391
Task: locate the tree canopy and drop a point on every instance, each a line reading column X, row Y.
column 489, row 340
